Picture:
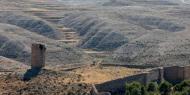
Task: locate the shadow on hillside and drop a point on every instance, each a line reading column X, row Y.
column 31, row 73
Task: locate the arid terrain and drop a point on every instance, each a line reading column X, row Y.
column 56, row 80
column 79, row 33
column 149, row 32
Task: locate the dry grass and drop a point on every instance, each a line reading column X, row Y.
column 98, row 74
column 47, row 83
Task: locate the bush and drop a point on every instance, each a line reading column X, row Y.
column 181, row 86
column 186, row 91
column 152, row 87
column 135, row 88
column 177, row 93
column 178, row 87
column 165, row 88
column 135, row 91
column 153, row 93
column 143, row 91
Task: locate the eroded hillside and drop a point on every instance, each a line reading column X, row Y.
column 151, row 32
column 140, row 32
column 83, row 36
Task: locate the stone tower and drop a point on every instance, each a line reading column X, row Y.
column 38, row 55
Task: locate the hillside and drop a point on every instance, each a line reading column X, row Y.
column 9, row 65
column 153, row 32
column 147, row 32
column 90, row 42
column 49, row 82
column 30, row 23
column 16, row 43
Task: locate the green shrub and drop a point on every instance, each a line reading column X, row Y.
column 153, row 93
column 152, row 87
column 135, row 88
column 165, row 88
column 135, row 91
column 181, row 86
column 177, row 93
column 143, row 90
column 186, row 83
column 178, row 87
column 186, row 91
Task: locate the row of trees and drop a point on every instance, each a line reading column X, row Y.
column 152, row 88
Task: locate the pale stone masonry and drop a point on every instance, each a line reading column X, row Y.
column 177, row 74
column 38, row 55
column 173, row 74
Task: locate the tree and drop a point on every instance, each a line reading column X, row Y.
column 186, row 91
column 182, row 85
column 136, row 91
column 165, row 88
column 135, row 88
column 152, row 87
column 143, row 90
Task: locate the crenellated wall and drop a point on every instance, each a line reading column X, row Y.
column 119, row 84
column 172, row 74
column 176, row 74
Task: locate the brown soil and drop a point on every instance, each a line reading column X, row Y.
column 59, row 80
column 47, row 83
column 98, row 74
column 8, row 65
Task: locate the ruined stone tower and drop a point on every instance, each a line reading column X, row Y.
column 38, row 55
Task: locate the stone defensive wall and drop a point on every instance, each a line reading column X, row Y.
column 172, row 74
column 177, row 74
column 130, row 66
